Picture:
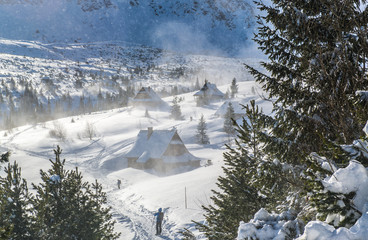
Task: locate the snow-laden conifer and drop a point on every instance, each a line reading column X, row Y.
column 234, row 88
column 251, row 180
column 228, row 120
column 176, row 110
column 317, row 63
column 69, row 208
column 201, row 136
column 15, row 210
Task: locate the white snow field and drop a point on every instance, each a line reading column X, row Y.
column 102, row 158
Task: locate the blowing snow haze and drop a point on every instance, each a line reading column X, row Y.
column 206, row 26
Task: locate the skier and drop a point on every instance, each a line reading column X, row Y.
column 159, row 217
column 119, row 183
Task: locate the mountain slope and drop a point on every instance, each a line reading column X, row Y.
column 222, row 26
column 34, row 75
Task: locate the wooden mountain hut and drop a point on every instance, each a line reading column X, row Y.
column 161, row 150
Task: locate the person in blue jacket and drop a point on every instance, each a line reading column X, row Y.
column 159, row 217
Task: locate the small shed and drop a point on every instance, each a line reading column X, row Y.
column 208, row 93
column 161, row 150
column 148, row 98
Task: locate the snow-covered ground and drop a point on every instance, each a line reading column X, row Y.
column 52, row 69
column 102, row 158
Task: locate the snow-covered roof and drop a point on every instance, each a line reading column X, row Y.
column 238, row 109
column 147, row 94
column 210, row 89
column 237, row 105
column 153, row 144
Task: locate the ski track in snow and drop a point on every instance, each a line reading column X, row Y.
column 139, row 219
column 93, row 161
column 10, row 145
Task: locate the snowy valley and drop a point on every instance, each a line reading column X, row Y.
column 102, row 157
column 240, row 119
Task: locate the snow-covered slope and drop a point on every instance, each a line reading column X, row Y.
column 222, row 26
column 54, row 69
column 142, row 192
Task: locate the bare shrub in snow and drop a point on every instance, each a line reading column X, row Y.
column 89, row 131
column 58, row 131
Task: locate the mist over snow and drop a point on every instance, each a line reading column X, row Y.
column 142, row 192
column 211, row 27
column 75, row 70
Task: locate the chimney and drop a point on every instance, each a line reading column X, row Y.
column 150, row 131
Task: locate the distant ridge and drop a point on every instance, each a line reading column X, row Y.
column 222, row 27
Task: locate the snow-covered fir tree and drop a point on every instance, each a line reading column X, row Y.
column 317, row 64
column 197, row 86
column 201, row 136
column 335, row 208
column 68, row 208
column 251, row 180
column 175, row 111
column 234, row 88
column 4, row 158
column 228, row 120
column 15, row 212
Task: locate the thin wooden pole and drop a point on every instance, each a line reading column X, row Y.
column 185, row 193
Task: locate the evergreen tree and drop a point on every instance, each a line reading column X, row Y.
column 1, row 98
column 174, row 90
column 69, row 101
column 317, row 63
column 130, row 90
column 251, row 180
column 197, row 86
column 4, row 157
column 186, row 234
column 229, row 118
column 82, row 106
column 322, row 202
column 5, row 228
column 201, row 135
column 100, row 100
column 176, row 110
column 15, row 213
column 317, row 53
column 123, row 97
column 68, row 208
column 49, row 107
column 234, row 88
